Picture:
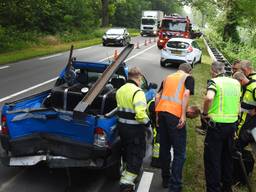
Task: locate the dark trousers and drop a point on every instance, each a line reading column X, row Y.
column 245, row 137
column 133, row 146
column 170, row 136
column 218, row 156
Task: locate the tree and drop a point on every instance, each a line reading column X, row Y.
column 105, row 13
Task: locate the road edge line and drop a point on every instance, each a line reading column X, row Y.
column 145, row 182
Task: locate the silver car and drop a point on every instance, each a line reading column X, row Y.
column 116, row 36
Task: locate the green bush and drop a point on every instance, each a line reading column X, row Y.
column 233, row 51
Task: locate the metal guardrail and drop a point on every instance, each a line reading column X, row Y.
column 216, row 55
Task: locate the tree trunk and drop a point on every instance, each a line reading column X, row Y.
column 230, row 29
column 105, row 14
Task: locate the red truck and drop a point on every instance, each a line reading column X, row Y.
column 173, row 26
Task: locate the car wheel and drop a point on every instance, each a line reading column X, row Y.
column 159, row 47
column 163, row 64
column 122, row 43
column 104, row 44
column 193, row 63
column 114, row 172
column 200, row 60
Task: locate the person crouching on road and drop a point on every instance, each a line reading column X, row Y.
column 132, row 124
column 172, row 105
column 220, row 112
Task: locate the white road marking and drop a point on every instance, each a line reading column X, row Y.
column 51, row 80
column 82, row 49
column 141, row 52
column 4, row 67
column 145, row 182
column 51, row 56
column 106, row 58
column 29, row 89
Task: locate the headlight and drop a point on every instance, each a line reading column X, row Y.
column 104, row 37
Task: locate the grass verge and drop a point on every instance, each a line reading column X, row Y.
column 42, row 50
column 194, row 179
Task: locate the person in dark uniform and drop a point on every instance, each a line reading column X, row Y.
column 220, row 112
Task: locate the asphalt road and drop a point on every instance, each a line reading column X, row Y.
column 18, row 80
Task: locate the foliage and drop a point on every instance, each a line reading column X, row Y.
column 231, row 14
column 233, row 51
column 52, row 44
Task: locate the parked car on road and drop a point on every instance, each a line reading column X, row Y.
column 180, row 50
column 116, row 36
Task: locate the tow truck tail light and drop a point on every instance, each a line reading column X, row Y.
column 100, row 138
column 4, row 130
column 190, row 49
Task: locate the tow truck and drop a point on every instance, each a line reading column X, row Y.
column 71, row 125
column 173, row 26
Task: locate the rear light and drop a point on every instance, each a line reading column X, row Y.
column 100, row 138
column 4, row 130
column 190, row 49
column 186, row 36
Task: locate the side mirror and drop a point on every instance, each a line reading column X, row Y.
column 152, row 86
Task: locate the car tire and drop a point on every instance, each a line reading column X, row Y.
column 163, row 64
column 122, row 43
column 114, row 172
column 104, row 44
column 200, row 60
column 159, row 47
column 193, row 63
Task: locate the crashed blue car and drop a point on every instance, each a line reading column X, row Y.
column 41, row 129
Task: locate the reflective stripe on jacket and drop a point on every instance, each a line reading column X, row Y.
column 172, row 94
column 226, row 102
column 248, row 102
column 252, row 76
column 131, row 105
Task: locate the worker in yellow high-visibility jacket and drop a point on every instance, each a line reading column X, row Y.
column 132, row 123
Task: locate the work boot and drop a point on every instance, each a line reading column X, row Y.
column 165, row 182
column 127, row 188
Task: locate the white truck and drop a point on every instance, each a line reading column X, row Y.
column 150, row 21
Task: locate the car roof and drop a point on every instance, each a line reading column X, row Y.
column 181, row 39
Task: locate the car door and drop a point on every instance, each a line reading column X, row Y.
column 197, row 51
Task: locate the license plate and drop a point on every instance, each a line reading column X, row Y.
column 176, row 52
